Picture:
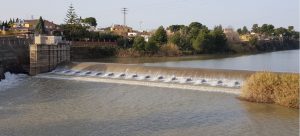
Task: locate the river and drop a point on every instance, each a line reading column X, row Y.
column 40, row 106
column 281, row 61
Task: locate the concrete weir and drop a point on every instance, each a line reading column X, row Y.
column 134, row 74
column 137, row 69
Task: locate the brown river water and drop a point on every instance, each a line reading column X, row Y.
column 48, row 107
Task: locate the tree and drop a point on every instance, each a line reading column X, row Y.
column 255, row 28
column 160, row 36
column 176, row 38
column 290, row 28
column 139, row 43
column 281, row 31
column 219, row 39
column 91, row 21
column 202, row 42
column 193, row 33
column 245, row 30
column 40, row 27
column 180, row 40
column 267, row 29
column 239, row 31
column 175, row 28
column 253, row 40
column 195, row 25
column 151, row 46
column 71, row 17
column 75, row 32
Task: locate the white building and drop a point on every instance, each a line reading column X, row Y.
column 146, row 37
column 132, row 34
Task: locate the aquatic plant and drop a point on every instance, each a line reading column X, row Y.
column 267, row 87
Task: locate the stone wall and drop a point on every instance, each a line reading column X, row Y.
column 44, row 58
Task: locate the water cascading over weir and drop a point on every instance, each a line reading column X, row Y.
column 135, row 74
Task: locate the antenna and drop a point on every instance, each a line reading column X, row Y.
column 124, row 11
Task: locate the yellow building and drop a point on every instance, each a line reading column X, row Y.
column 121, row 30
column 28, row 26
column 245, row 38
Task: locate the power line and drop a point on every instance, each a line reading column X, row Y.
column 124, row 11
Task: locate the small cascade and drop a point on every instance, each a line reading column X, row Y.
column 11, row 80
column 160, row 78
column 99, row 74
column 77, row 72
column 122, row 75
column 134, row 76
column 173, row 79
column 87, row 73
column 147, row 77
column 110, row 74
column 68, row 71
column 237, row 84
column 188, row 80
column 195, row 77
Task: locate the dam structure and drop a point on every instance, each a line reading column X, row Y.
column 228, row 81
column 49, row 57
column 32, row 56
column 47, row 53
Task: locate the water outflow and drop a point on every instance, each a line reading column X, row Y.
column 224, row 78
column 11, row 80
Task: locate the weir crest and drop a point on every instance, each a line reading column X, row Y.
column 179, row 76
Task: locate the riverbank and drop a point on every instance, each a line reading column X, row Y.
column 171, row 50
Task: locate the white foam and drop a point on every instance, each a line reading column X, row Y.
column 207, row 81
column 11, row 80
column 144, row 83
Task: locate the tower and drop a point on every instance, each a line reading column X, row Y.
column 124, row 11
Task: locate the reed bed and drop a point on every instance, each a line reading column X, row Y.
column 267, row 87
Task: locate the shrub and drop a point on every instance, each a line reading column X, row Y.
column 287, row 93
column 266, row 87
column 128, row 53
column 170, row 50
column 151, row 47
column 139, row 43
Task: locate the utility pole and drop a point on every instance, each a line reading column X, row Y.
column 124, row 11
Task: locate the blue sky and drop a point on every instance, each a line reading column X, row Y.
column 153, row 13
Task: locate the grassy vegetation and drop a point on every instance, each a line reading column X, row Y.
column 266, row 87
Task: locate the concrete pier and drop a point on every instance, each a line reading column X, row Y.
column 44, row 57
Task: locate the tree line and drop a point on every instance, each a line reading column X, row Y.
column 9, row 23
column 270, row 30
column 196, row 38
